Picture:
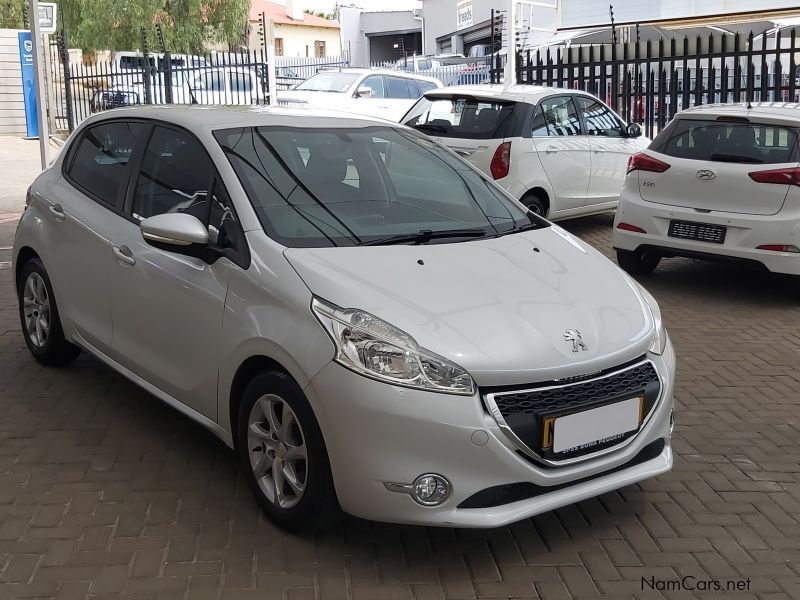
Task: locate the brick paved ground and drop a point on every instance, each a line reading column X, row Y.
column 105, row 492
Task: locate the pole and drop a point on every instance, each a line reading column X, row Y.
column 41, row 107
column 511, row 49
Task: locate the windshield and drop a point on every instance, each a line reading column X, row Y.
column 346, row 187
column 329, row 82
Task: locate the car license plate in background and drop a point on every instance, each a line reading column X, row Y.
column 702, row 232
column 595, row 426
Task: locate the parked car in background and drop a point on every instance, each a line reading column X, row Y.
column 379, row 93
column 370, row 321
column 719, row 182
column 563, row 153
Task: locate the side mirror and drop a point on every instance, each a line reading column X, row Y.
column 364, row 92
column 633, row 130
column 174, row 229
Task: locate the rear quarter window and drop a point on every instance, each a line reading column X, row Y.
column 724, row 141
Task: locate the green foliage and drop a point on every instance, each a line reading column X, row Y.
column 319, row 13
column 11, row 14
column 188, row 25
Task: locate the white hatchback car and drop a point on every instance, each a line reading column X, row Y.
column 719, row 182
column 371, row 92
column 364, row 316
column 560, row 152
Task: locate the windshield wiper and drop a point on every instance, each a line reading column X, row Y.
column 735, row 158
column 430, row 127
column 424, row 236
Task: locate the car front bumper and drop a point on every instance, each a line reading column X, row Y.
column 378, row 434
column 744, row 233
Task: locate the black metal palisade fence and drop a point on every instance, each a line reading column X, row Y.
column 648, row 82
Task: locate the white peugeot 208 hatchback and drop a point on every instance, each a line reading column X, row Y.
column 719, row 182
column 364, row 316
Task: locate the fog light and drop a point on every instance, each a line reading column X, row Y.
column 430, row 489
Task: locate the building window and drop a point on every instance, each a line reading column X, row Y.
column 278, row 46
column 319, row 49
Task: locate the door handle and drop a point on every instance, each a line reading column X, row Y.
column 599, row 149
column 552, row 149
column 124, row 255
column 57, row 211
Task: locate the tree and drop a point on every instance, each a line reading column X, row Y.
column 320, row 14
column 188, row 25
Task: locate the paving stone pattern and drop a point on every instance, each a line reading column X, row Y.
column 107, row 493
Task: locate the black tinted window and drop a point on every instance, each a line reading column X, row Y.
column 425, row 86
column 174, row 176
column 100, row 164
column 724, row 141
column 396, row 87
column 461, row 117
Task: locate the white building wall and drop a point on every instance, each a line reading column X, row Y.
column 12, row 104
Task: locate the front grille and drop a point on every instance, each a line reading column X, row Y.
column 513, row 492
column 525, row 411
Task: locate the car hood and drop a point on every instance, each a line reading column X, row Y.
column 499, row 307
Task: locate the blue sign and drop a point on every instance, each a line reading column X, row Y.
column 28, row 83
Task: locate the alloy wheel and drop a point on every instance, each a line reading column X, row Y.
column 36, row 309
column 277, row 450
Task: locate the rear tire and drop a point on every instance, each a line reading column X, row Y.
column 535, row 204
column 283, row 453
column 638, row 262
column 38, row 314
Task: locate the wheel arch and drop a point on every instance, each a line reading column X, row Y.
column 541, row 193
column 25, row 254
column 245, row 373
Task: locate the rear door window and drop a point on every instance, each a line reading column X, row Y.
column 397, row 87
column 726, row 141
column 100, row 162
column 466, row 118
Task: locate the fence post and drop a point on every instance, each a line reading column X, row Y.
column 63, row 52
column 168, row 77
column 146, row 73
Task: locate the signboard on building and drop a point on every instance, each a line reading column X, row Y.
column 47, row 17
column 463, row 14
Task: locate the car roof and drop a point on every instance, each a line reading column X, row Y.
column 516, row 93
column 379, row 72
column 785, row 111
column 197, row 117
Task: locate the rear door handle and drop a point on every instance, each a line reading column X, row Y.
column 599, row 149
column 124, row 255
column 57, row 211
column 552, row 149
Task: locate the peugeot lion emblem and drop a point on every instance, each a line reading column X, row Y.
column 574, row 336
column 706, row 174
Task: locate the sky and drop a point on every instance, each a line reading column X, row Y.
column 327, row 5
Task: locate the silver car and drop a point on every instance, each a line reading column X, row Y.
column 362, row 315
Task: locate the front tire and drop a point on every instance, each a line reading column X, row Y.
column 639, row 262
column 38, row 313
column 283, row 453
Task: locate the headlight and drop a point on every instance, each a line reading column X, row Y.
column 660, row 337
column 372, row 347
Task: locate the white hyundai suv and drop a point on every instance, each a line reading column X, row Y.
column 719, row 182
column 560, row 152
column 366, row 318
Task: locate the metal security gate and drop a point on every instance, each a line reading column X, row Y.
column 648, row 82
